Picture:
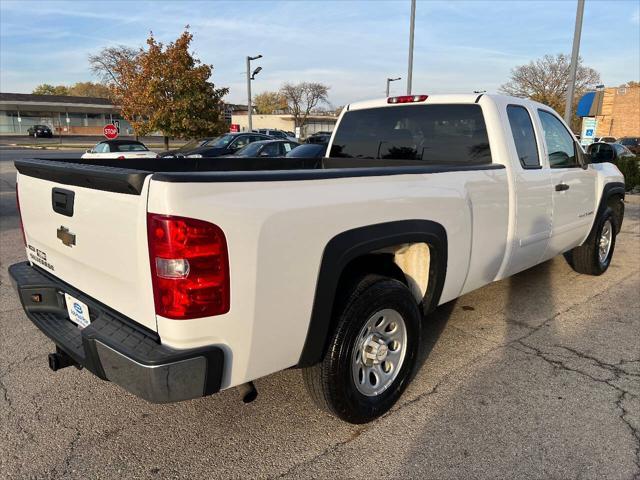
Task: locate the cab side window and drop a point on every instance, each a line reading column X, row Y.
column 101, row 148
column 523, row 136
column 560, row 144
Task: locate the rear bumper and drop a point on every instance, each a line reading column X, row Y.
column 115, row 348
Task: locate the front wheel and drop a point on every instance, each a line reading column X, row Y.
column 593, row 257
column 371, row 353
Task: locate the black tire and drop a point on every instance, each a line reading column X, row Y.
column 331, row 382
column 585, row 258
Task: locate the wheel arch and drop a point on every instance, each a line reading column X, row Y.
column 613, row 196
column 358, row 251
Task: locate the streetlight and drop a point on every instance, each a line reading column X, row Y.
column 568, row 108
column 412, row 25
column 389, row 80
column 251, row 76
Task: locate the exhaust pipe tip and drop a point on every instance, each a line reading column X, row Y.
column 248, row 392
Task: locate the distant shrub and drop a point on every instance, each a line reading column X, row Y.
column 630, row 168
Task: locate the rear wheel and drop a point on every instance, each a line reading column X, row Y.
column 371, row 354
column 593, row 257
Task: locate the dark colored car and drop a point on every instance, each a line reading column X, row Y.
column 226, row 144
column 266, row 148
column 309, row 150
column 187, row 147
column 608, row 152
column 322, row 138
column 632, row 143
column 40, row 131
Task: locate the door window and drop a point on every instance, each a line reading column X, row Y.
column 101, row 148
column 270, row 150
column 560, row 145
column 241, row 141
column 523, row 136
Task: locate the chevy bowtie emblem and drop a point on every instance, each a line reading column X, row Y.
column 68, row 238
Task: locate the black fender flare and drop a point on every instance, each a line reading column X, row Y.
column 610, row 189
column 351, row 244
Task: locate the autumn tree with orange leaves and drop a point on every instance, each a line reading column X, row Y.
column 163, row 88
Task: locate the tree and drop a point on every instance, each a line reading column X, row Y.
column 166, row 89
column 546, row 80
column 104, row 63
column 268, row 103
column 302, row 98
column 46, row 89
column 631, row 84
column 89, row 89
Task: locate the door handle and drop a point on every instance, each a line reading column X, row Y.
column 562, row 187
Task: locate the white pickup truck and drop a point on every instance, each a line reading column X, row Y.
column 177, row 278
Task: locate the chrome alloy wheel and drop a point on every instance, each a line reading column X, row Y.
column 604, row 245
column 379, row 353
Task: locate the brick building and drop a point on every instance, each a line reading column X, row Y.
column 616, row 110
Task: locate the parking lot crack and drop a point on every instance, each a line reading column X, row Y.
column 624, row 416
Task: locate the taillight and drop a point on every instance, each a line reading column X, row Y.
column 189, row 267
column 24, row 237
column 407, row 99
column 121, row 157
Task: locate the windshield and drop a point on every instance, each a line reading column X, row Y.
column 629, row 141
column 221, row 141
column 250, row 150
column 190, row 145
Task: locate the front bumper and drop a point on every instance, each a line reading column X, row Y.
column 114, row 347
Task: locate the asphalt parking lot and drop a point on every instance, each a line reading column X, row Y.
column 536, row 376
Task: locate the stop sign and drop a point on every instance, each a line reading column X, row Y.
column 110, row 131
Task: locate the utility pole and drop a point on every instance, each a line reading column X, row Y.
column 411, row 29
column 249, row 78
column 568, row 109
column 389, row 80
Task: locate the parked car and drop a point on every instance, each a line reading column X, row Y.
column 181, row 280
column 321, row 138
column 309, row 150
column 266, row 148
column 632, row 143
column 186, row 148
column 608, row 152
column 225, row 144
column 40, row 131
column 277, row 134
column 118, row 149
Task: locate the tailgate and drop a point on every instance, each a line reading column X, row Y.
column 86, row 225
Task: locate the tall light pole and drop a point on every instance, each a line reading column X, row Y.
column 411, row 29
column 389, row 80
column 568, row 109
column 249, row 78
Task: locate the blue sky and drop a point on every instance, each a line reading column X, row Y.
column 353, row 46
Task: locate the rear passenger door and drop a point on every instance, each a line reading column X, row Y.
column 533, row 191
column 573, row 187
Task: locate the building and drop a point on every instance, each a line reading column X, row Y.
column 285, row 122
column 64, row 114
column 611, row 112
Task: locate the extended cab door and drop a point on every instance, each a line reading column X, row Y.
column 533, row 207
column 573, row 187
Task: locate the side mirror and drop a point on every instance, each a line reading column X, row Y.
column 89, row 151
